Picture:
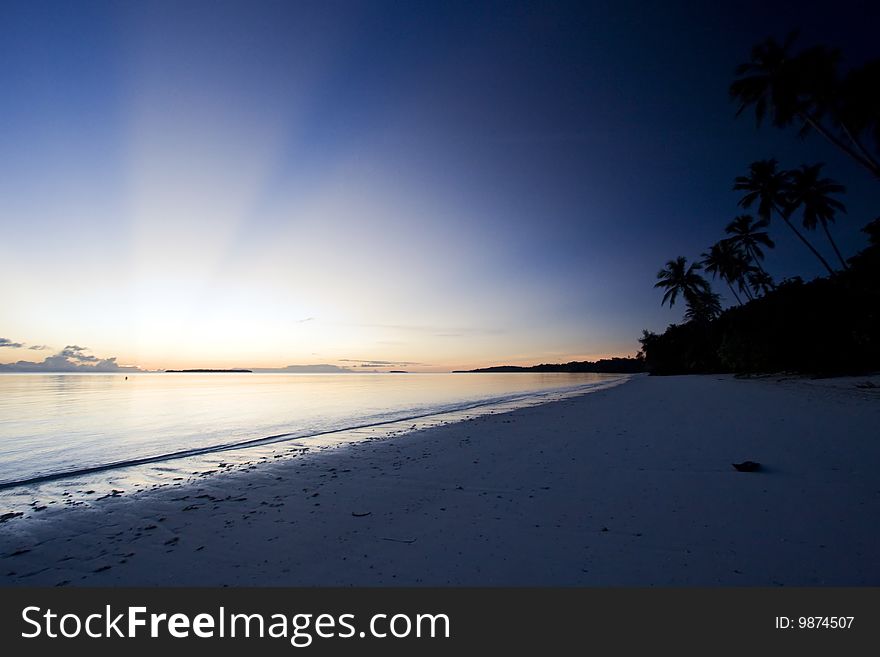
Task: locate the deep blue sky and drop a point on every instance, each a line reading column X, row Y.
column 448, row 183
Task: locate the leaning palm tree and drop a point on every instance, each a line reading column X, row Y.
column 801, row 89
column 726, row 260
column 812, row 193
column 768, row 185
column 677, row 277
column 750, row 236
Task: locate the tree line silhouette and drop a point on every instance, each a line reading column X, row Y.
column 602, row 366
column 829, row 325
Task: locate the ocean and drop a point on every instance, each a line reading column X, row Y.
column 65, row 435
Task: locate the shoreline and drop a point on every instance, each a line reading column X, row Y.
column 628, row 486
column 44, row 491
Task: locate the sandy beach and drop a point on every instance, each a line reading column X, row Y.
column 631, row 486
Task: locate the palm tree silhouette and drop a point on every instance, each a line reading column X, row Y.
column 726, row 260
column 769, row 186
column 768, row 81
column 803, row 89
column 809, row 191
column 760, row 282
column 859, row 106
column 677, row 277
column 703, row 308
column 750, row 236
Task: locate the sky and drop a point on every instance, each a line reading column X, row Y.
column 423, row 186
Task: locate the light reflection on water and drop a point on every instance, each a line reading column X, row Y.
column 52, row 424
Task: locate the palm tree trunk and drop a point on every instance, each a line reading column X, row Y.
column 805, row 241
column 834, row 245
column 859, row 146
column 735, row 295
column 869, row 164
column 758, row 264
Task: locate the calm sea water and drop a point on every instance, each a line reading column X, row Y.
column 63, row 425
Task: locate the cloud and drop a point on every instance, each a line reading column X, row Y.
column 39, row 347
column 77, row 354
column 6, row 342
column 307, row 319
column 72, row 358
column 378, row 363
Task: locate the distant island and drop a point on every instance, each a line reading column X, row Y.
column 322, row 368
column 207, row 371
column 604, row 366
column 398, row 372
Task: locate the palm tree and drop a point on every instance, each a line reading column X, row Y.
column 760, row 282
column 768, row 82
column 859, row 105
column 749, row 235
column 851, row 104
column 677, row 277
column 808, row 190
column 703, row 308
column 726, row 260
column 769, row 186
column 801, row 88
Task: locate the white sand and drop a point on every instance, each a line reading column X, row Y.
column 628, row 486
